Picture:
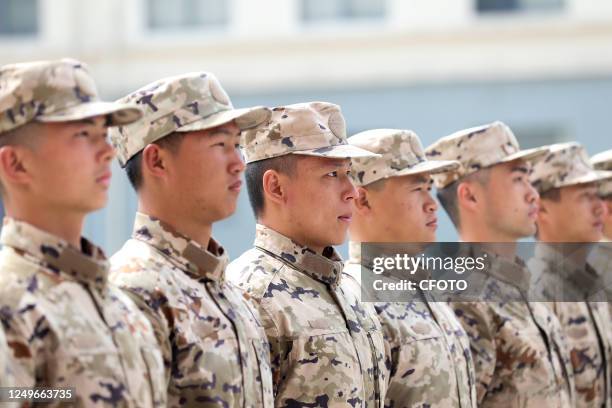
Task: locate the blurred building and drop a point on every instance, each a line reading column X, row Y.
column 434, row 66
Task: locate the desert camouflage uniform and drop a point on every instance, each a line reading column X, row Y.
column 326, row 349
column 214, row 347
column 67, row 327
column 575, row 291
column 520, row 356
column 520, row 353
column 6, row 371
column 427, row 352
column 586, row 324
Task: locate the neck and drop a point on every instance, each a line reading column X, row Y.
column 193, row 229
column 63, row 224
column 286, row 229
column 577, row 252
column 492, row 241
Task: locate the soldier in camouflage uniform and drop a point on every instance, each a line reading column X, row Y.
column 567, row 184
column 519, row 353
column 326, row 347
column 184, row 163
column 603, row 161
column 427, row 350
column 65, row 325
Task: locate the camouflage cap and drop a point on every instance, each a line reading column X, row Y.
column 477, row 148
column 312, row 129
column 603, row 161
column 183, row 103
column 401, row 154
column 566, row 164
column 54, row 91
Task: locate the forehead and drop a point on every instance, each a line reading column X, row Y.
column 580, row 188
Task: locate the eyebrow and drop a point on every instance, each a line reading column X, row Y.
column 226, row 132
column 520, row 169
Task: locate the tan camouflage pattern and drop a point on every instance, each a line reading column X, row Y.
column 587, row 325
column 603, row 161
column 214, row 347
column 566, row 164
column 6, row 370
column 53, row 90
column 67, row 327
column 184, row 103
column 311, row 128
column 401, row 154
column 428, row 360
column 326, row 349
column 519, row 350
column 477, row 148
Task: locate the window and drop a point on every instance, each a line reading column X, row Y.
column 518, row 5
column 18, row 17
column 181, row 14
column 322, row 10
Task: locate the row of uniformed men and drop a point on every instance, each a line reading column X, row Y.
column 168, row 323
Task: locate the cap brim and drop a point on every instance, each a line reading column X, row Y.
column 429, row 166
column 345, row 151
column 593, row 176
column 245, row 118
column 528, row 155
column 120, row 114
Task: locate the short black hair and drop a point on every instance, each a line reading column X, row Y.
column 255, row 171
column 133, row 167
column 448, row 195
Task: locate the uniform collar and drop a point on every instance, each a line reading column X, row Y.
column 326, row 268
column 87, row 265
column 184, row 252
column 512, row 271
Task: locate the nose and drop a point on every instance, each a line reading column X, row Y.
column 532, row 195
column 236, row 165
column 107, row 152
column 349, row 191
column 600, row 209
column 431, row 206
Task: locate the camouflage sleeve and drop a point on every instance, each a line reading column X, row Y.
column 153, row 305
column 478, row 322
column 29, row 339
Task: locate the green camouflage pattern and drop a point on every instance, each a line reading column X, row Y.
column 311, row 128
column 184, row 103
column 603, row 161
column 54, row 91
column 214, row 347
column 519, row 350
column 477, row 148
column 67, row 327
column 587, row 325
column 427, row 351
column 401, row 154
column 326, row 349
column 566, row 164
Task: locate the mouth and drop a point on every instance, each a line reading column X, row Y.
column 598, row 225
column 235, row 187
column 433, row 223
column 346, row 218
column 533, row 213
column 105, row 178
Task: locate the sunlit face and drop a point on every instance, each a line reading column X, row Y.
column 69, row 165
column 509, row 203
column 608, row 218
column 318, row 200
column 403, row 210
column 204, row 174
column 578, row 216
